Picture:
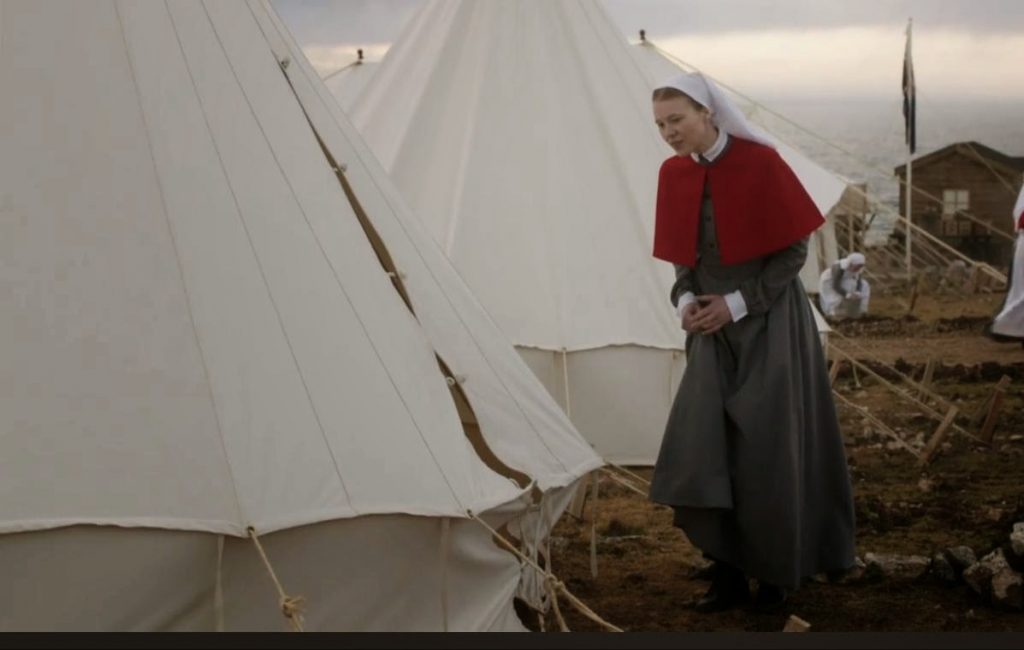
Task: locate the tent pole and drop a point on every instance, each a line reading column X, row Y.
column 445, row 544
column 565, row 382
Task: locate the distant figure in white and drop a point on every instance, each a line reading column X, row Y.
column 844, row 293
column 1008, row 325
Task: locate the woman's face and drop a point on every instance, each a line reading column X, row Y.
column 683, row 126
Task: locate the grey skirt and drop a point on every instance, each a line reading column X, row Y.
column 752, row 459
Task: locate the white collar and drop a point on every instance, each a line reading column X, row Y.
column 715, row 150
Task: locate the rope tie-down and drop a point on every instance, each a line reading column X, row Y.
column 553, row 584
column 291, row 606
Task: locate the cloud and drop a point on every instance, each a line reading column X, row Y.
column 962, row 48
column 666, row 18
column 381, row 20
column 857, row 61
column 345, row 21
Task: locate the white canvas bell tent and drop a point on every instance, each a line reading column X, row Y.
column 348, row 82
column 221, row 321
column 521, row 132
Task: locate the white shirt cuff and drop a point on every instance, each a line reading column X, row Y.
column 737, row 305
column 684, row 300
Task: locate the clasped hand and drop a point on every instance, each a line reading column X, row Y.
column 707, row 315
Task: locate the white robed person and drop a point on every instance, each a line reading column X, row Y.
column 1008, row 325
column 843, row 291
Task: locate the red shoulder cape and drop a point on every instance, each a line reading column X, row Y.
column 760, row 205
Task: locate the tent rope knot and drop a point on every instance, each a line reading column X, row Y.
column 291, row 606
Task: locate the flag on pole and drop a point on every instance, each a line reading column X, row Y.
column 909, row 96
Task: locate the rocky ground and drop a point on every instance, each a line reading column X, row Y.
column 940, row 546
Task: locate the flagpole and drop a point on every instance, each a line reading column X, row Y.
column 908, row 87
column 910, row 184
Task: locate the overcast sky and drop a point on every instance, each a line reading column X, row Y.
column 963, row 49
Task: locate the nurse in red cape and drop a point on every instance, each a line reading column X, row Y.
column 752, row 461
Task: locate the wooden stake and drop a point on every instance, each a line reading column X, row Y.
column 937, row 437
column 926, row 377
column 796, row 624
column 833, row 372
column 979, row 415
column 988, row 428
column 929, row 371
column 915, row 289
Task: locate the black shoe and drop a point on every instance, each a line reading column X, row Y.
column 769, row 597
column 728, row 589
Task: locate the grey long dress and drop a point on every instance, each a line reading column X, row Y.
column 752, row 460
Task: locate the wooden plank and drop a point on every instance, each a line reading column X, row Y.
column 938, row 436
column 911, row 384
column 905, row 394
column 882, row 426
column 989, row 427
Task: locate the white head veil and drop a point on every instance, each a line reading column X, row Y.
column 724, row 113
column 852, row 258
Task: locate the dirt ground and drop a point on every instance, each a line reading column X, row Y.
column 970, row 494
